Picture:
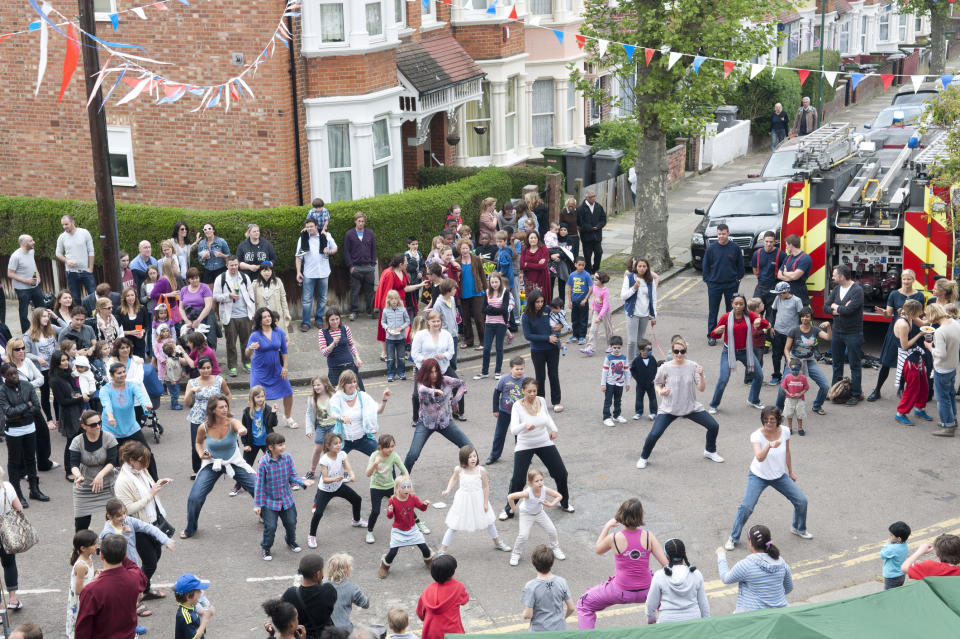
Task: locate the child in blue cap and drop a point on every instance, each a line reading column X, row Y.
column 190, row 623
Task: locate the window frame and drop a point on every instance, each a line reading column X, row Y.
column 864, row 32
column 595, row 104
column 123, row 145
column 340, row 169
column 400, row 17
column 345, row 33
column 551, row 114
column 843, row 37
column 382, row 34
column 571, row 107
column 428, row 16
column 482, row 120
column 883, row 23
column 902, row 27
column 512, row 85
column 382, row 163
column 104, row 16
column 535, row 12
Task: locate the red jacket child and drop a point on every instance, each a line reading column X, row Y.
column 439, row 603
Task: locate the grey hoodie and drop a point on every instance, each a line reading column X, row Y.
column 348, row 595
column 680, row 596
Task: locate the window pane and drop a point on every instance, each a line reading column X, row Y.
column 478, row 114
column 479, row 4
column 374, row 19
column 427, row 10
column 512, row 95
column 381, row 140
column 119, row 166
column 543, row 130
column 331, row 22
column 626, row 94
column 543, row 96
column 102, row 6
column 398, row 8
column 541, row 7
column 341, row 186
column 338, row 145
column 381, row 180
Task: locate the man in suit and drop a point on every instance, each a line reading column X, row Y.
column 591, row 218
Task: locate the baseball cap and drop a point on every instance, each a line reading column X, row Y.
column 781, row 287
column 190, row 582
column 266, row 263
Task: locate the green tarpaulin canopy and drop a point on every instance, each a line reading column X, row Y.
column 929, row 608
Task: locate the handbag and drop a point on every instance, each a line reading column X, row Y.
column 165, row 526
column 17, row 534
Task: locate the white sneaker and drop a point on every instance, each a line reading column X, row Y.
column 711, row 410
column 638, row 415
column 559, row 554
column 514, row 560
column 558, row 408
column 803, row 534
column 608, row 422
column 499, row 545
column 311, row 542
column 641, row 463
column 730, row 545
column 423, row 528
column 369, row 539
column 503, row 516
column 758, row 405
column 651, row 417
column 713, row 457
column 359, row 523
column 480, row 376
column 621, row 419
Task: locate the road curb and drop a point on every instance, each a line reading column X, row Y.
column 465, row 356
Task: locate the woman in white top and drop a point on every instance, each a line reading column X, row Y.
column 535, row 431
column 358, row 414
column 677, row 383
column 182, row 246
column 41, row 341
column 639, row 296
column 771, row 466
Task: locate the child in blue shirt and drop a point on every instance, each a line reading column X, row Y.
column 320, row 214
column 579, row 287
column 508, row 390
column 613, row 377
column 190, row 622
column 894, row 553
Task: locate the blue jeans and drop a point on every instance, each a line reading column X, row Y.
column 366, row 445
column 815, row 374
column 26, row 297
column 612, row 395
column 853, row 343
column 289, row 518
column 396, row 349
column 664, row 420
column 420, row 436
column 651, row 400
column 741, row 356
column 783, row 485
column 946, row 397
column 775, row 139
column 313, row 285
column 491, row 331
column 500, row 434
column 77, row 282
column 174, row 390
column 714, row 293
column 202, row 486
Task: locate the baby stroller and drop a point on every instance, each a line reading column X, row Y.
column 148, row 419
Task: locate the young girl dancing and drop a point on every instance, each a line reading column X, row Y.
column 319, row 422
column 405, row 532
column 631, row 581
column 532, row 499
column 335, row 472
column 259, row 419
column 384, row 462
column 471, row 504
column 84, row 546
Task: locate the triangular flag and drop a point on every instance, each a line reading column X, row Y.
column 602, row 46
column 728, row 66
column 513, row 12
column 672, row 60
column 855, row 79
column 114, row 20
column 755, row 69
column 69, row 60
column 492, row 9
column 887, row 79
column 629, row 49
column 160, row 6
column 917, row 80
column 830, row 76
column 803, row 73
column 44, row 41
column 136, row 91
column 648, row 55
column 138, row 11
column 559, row 34
column 215, row 100
column 697, row 61
column 580, row 40
column 946, row 80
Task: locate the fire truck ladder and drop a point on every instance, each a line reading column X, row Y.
column 935, row 151
column 826, row 147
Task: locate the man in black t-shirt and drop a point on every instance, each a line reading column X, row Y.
column 313, row 600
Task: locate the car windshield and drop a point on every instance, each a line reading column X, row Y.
column 741, row 203
column 911, row 113
column 780, row 164
column 913, row 98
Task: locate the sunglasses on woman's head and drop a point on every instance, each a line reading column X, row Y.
column 679, row 351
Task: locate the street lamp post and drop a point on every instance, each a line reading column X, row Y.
column 823, row 20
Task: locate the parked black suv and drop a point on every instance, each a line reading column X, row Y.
column 749, row 207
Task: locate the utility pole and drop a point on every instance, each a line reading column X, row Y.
column 823, row 19
column 106, row 212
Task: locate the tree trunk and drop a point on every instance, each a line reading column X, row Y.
column 938, row 43
column 650, row 217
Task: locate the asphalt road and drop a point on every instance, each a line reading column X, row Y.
column 859, row 468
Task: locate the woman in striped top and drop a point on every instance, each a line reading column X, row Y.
column 497, row 306
column 764, row 578
column 337, row 345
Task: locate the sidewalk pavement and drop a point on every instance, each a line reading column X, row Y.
column 696, row 191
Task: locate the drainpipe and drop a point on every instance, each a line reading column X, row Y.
column 296, row 115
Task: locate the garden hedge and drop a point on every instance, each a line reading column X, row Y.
column 811, row 60
column 520, row 176
column 395, row 217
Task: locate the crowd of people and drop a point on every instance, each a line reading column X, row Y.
column 108, row 357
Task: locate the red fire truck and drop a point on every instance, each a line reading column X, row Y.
column 871, row 206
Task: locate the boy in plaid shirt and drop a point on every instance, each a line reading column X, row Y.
column 273, row 498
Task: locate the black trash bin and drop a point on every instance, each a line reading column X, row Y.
column 726, row 117
column 606, row 164
column 578, row 161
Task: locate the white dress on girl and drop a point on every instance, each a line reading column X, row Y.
column 466, row 514
column 73, row 599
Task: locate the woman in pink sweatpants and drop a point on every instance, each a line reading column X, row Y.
column 631, row 581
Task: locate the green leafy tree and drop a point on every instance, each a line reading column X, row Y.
column 939, row 12
column 945, row 113
column 676, row 99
